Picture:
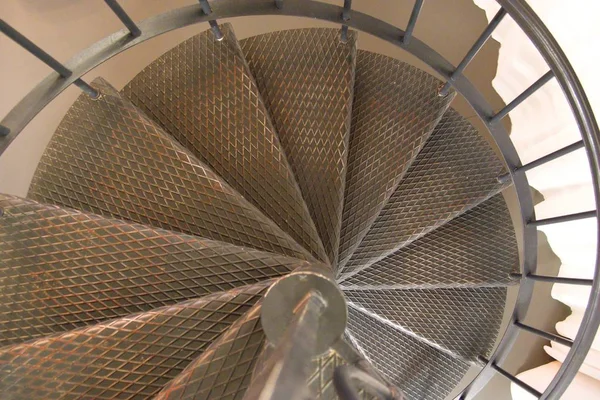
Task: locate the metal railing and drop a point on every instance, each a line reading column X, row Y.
column 559, row 68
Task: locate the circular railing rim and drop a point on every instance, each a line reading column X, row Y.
column 122, row 40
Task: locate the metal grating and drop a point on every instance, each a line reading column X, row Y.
column 306, row 79
column 395, row 109
column 461, row 322
column 476, row 249
column 224, row 370
column 108, row 158
column 62, row 269
column 456, row 170
column 131, row 357
column 203, row 94
column 419, row 370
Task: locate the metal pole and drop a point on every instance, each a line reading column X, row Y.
column 46, row 58
column 214, row 26
column 546, row 335
column 122, row 15
column 345, row 18
column 564, row 218
column 4, row 130
column 289, row 367
column 556, row 279
column 412, row 21
column 543, row 160
column 522, row 97
column 474, row 50
column 515, row 380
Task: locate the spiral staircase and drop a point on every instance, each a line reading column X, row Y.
column 171, row 228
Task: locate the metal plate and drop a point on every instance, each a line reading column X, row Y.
column 131, row 357
column 419, row 370
column 461, row 322
column 203, row 94
column 455, row 171
column 476, row 249
column 306, row 79
column 395, row 109
column 108, row 158
column 224, row 370
column 62, row 269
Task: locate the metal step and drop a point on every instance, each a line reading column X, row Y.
column 476, row 249
column 396, row 107
column 421, row 371
column 306, row 79
column 224, row 370
column 456, row 170
column 131, row 357
column 461, row 322
column 62, row 269
column 203, row 94
column 108, row 158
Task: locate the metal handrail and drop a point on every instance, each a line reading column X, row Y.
column 518, row 10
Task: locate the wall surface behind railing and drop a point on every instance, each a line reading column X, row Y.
column 65, row 27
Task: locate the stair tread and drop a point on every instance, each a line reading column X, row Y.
column 203, row 94
column 107, row 158
column 56, row 260
column 395, row 109
column 456, row 170
column 476, row 249
column 462, row 322
column 224, row 370
column 420, row 370
column 306, row 79
column 134, row 356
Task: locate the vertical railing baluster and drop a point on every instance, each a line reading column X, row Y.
column 345, row 18
column 412, row 22
column 46, row 58
column 474, row 50
column 125, row 19
column 513, row 378
column 522, row 97
column 214, row 26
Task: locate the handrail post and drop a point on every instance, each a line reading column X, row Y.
column 125, row 19
column 412, row 22
column 345, row 18
column 214, row 26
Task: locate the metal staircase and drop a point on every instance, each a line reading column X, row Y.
column 245, row 219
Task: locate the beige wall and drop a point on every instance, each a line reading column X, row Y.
column 64, row 27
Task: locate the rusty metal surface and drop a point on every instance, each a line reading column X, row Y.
column 106, row 157
column 419, row 370
column 224, row 370
column 395, row 109
column 203, row 94
column 476, row 249
column 62, row 269
column 455, row 171
column 461, row 322
column 306, row 79
column 126, row 358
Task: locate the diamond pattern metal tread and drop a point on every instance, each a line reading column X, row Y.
column 62, row 269
column 396, row 107
column 131, row 357
column 108, row 158
column 476, row 249
column 455, row 171
column 461, row 322
column 419, row 370
column 306, row 79
column 203, row 94
column 224, row 370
